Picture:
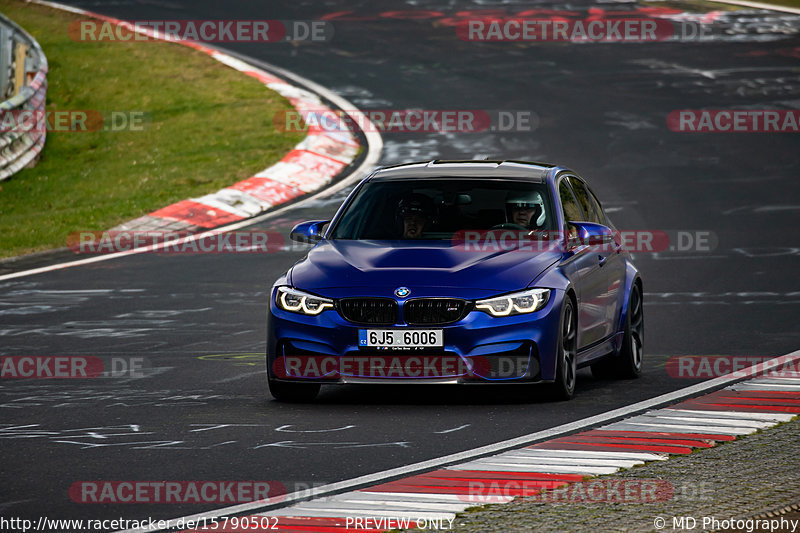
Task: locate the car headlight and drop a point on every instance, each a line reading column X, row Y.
column 516, row 303
column 301, row 302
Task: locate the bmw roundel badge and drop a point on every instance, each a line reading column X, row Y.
column 402, row 292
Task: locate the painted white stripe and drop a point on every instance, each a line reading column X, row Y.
column 681, row 428
column 776, row 379
column 766, row 386
column 337, row 503
column 776, row 417
column 417, row 496
column 512, row 458
column 234, row 201
column 643, row 456
column 409, row 496
column 543, row 468
column 302, row 510
column 733, row 422
column 439, row 462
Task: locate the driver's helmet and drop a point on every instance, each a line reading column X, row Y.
column 415, row 204
column 526, row 199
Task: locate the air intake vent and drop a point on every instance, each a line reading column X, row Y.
column 434, row 311
column 374, row 311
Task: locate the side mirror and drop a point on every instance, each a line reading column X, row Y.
column 589, row 233
column 309, row 232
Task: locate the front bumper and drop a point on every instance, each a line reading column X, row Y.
column 477, row 349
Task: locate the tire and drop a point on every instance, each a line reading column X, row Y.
column 293, row 392
column 566, row 365
column 628, row 363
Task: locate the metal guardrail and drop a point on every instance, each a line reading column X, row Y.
column 23, row 86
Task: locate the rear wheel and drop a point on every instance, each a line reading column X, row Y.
column 628, row 363
column 630, row 357
column 293, row 392
column 566, row 365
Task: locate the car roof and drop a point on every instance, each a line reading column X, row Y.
column 483, row 169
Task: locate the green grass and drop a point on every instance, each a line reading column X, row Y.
column 208, row 126
column 789, row 3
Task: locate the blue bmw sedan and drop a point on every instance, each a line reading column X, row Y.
column 457, row 272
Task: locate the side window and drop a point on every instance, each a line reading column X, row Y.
column 600, row 213
column 571, row 210
column 584, row 200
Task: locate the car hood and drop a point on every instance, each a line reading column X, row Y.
column 341, row 264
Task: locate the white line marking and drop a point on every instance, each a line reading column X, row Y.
column 713, row 422
column 411, row 496
column 380, row 504
column 643, row 456
column 739, row 414
column 680, row 428
column 286, row 429
column 535, row 468
column 365, row 480
column 765, row 386
column 516, row 459
column 451, row 430
column 346, row 511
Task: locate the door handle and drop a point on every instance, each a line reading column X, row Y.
column 602, row 259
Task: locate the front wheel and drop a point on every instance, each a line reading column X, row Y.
column 566, row 364
column 293, row 392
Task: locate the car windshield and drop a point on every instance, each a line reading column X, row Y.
column 438, row 208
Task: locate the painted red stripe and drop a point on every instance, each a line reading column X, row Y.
column 313, row 162
column 196, row 213
column 467, row 483
column 659, row 434
column 695, row 443
column 770, row 401
column 742, row 401
column 552, row 445
column 752, row 395
column 745, row 407
column 434, row 485
column 731, row 408
column 267, row 190
column 774, row 393
column 762, row 393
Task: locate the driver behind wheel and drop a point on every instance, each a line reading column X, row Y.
column 414, row 214
column 525, row 208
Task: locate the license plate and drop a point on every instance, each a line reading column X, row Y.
column 401, row 338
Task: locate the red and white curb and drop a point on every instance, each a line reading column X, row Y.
column 310, row 166
column 654, row 435
column 314, row 142
column 439, row 488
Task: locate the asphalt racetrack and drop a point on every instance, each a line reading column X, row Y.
column 203, row 411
